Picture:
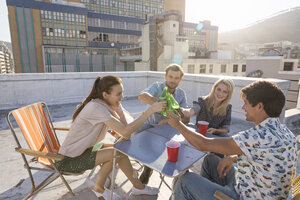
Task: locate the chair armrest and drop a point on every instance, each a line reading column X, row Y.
column 61, row 128
column 39, row 154
column 221, row 196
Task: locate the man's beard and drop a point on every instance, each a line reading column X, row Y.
column 175, row 86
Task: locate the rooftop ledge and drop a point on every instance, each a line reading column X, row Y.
column 17, row 90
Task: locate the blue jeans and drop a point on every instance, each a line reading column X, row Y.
column 193, row 186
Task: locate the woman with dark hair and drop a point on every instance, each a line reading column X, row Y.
column 100, row 111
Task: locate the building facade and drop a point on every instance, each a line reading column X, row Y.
column 228, row 67
column 277, row 67
column 6, row 60
column 202, row 38
column 78, row 35
column 166, row 39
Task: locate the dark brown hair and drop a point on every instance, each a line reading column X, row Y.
column 101, row 85
column 268, row 93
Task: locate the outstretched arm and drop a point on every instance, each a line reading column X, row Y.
column 147, row 98
column 126, row 129
column 188, row 112
column 217, row 131
column 225, row 146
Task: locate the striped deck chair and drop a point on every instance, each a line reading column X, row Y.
column 39, row 133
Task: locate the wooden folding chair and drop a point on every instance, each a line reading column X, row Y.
column 296, row 188
column 221, row 196
column 39, row 133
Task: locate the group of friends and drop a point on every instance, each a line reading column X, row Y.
column 265, row 155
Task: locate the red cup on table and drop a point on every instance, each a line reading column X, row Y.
column 202, row 127
column 173, row 150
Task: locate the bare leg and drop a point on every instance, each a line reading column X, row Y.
column 126, row 167
column 105, row 157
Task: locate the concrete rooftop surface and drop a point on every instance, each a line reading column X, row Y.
column 15, row 183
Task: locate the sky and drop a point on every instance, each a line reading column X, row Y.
column 234, row 14
column 226, row 14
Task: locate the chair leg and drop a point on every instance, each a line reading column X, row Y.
column 42, row 185
column 221, row 196
column 62, row 178
column 113, row 175
column 29, row 195
column 26, row 165
column 66, row 184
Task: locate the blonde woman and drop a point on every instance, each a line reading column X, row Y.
column 215, row 107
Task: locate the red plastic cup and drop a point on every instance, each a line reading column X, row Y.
column 173, row 149
column 202, row 127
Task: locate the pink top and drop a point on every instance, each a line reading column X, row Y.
column 87, row 129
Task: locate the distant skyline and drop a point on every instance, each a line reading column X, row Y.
column 227, row 15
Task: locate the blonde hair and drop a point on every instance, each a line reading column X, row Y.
column 210, row 99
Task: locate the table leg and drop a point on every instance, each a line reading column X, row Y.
column 113, row 175
column 162, row 178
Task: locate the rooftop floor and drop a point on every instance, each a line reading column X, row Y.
column 17, row 183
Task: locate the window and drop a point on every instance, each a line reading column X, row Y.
column 42, row 14
column 59, row 32
column 43, row 31
column 51, row 31
column 243, row 68
column 202, row 69
column 105, row 38
column 288, row 66
column 82, row 34
column 235, row 68
column 50, row 14
column 191, row 69
column 211, row 67
column 223, row 68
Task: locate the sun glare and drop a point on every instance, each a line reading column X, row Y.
column 234, row 14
